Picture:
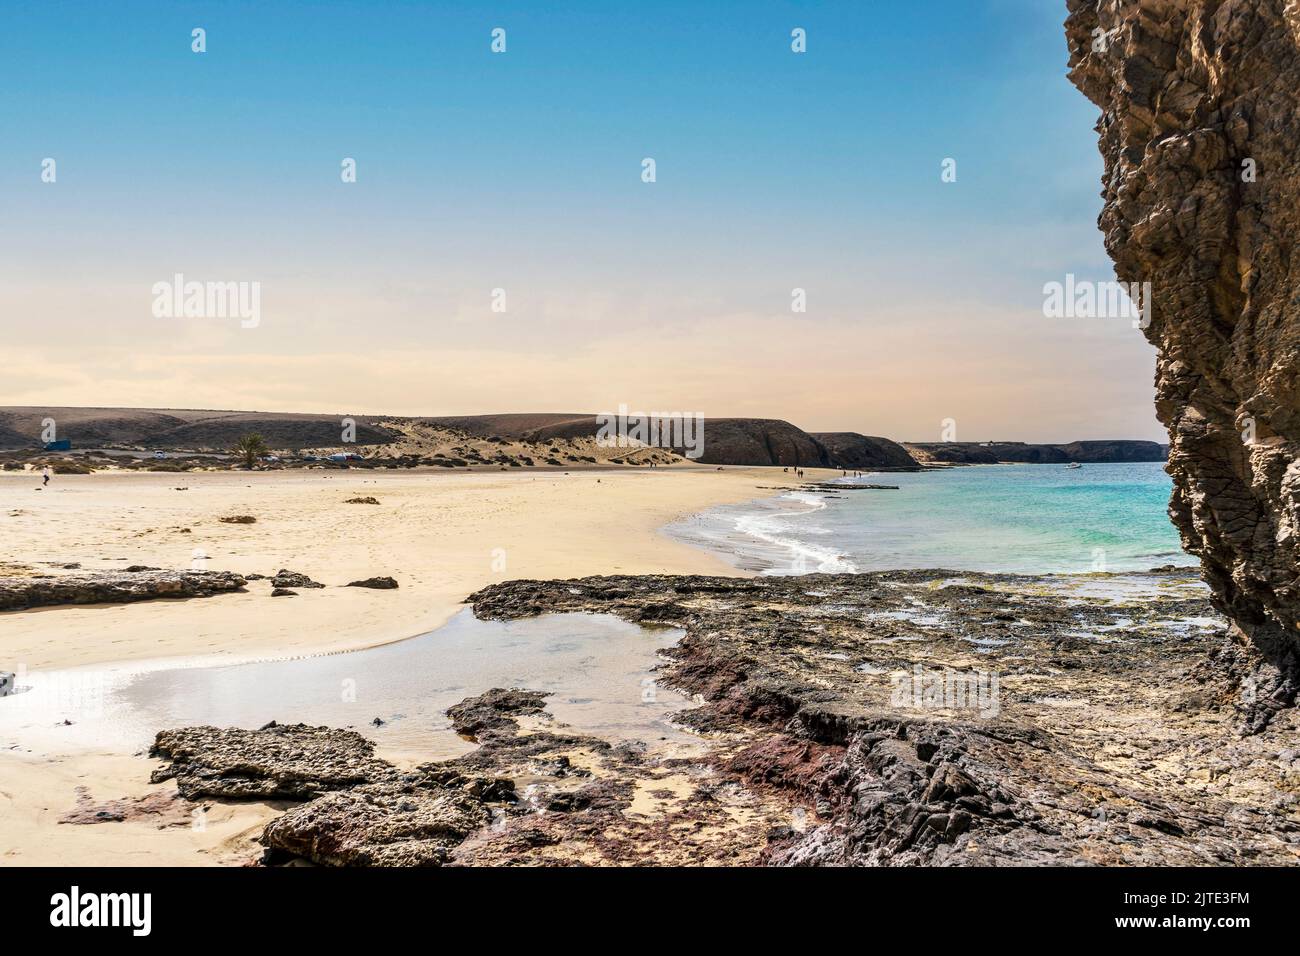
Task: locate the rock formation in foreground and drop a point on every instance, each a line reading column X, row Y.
column 896, row 718
column 113, row 587
column 1200, row 134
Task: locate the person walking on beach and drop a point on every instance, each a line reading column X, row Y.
column 45, row 476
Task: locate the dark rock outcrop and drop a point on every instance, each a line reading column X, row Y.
column 1199, row 130
column 897, row 718
column 1115, row 451
column 285, row 579
column 277, row 762
column 412, row 819
column 381, row 583
column 951, row 453
column 851, row 450
column 727, row 441
column 759, row 441
column 991, row 453
column 113, row 587
column 577, row 806
column 1101, row 742
column 362, row 811
column 494, row 712
column 21, row 427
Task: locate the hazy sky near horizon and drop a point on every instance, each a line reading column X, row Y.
column 522, row 171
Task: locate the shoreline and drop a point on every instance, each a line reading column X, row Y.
column 428, row 523
column 744, row 536
column 853, row 525
column 1068, row 729
column 434, row 532
column 442, row 536
column 1039, row 723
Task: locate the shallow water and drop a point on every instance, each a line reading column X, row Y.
column 600, row 668
column 1030, row 519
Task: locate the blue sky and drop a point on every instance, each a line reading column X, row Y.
column 522, row 171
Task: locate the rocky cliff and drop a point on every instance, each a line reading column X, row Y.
column 1114, row 451
column 1199, row 131
column 851, row 450
column 990, row 453
column 727, row 441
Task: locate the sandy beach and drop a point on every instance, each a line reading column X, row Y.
column 440, row 535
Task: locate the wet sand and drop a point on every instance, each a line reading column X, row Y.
column 598, row 670
column 440, row 535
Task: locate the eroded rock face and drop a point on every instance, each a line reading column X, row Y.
column 278, row 761
column 412, row 819
column 284, row 578
column 382, row 583
column 1096, row 726
column 851, row 450
column 492, row 713
column 1199, row 131
column 113, row 587
column 580, row 799
column 1107, row 738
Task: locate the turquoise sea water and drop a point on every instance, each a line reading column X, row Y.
column 1019, row 518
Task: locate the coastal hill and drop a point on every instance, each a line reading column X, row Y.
column 992, row 453
column 851, row 450
column 177, row 428
column 541, row 438
column 728, row 441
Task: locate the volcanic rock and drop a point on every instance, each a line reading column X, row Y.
column 293, row 579
column 382, row 583
column 1199, row 129
column 113, row 587
column 279, row 761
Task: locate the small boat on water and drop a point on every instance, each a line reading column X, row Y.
column 1074, row 464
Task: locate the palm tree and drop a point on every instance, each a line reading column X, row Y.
column 250, row 447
